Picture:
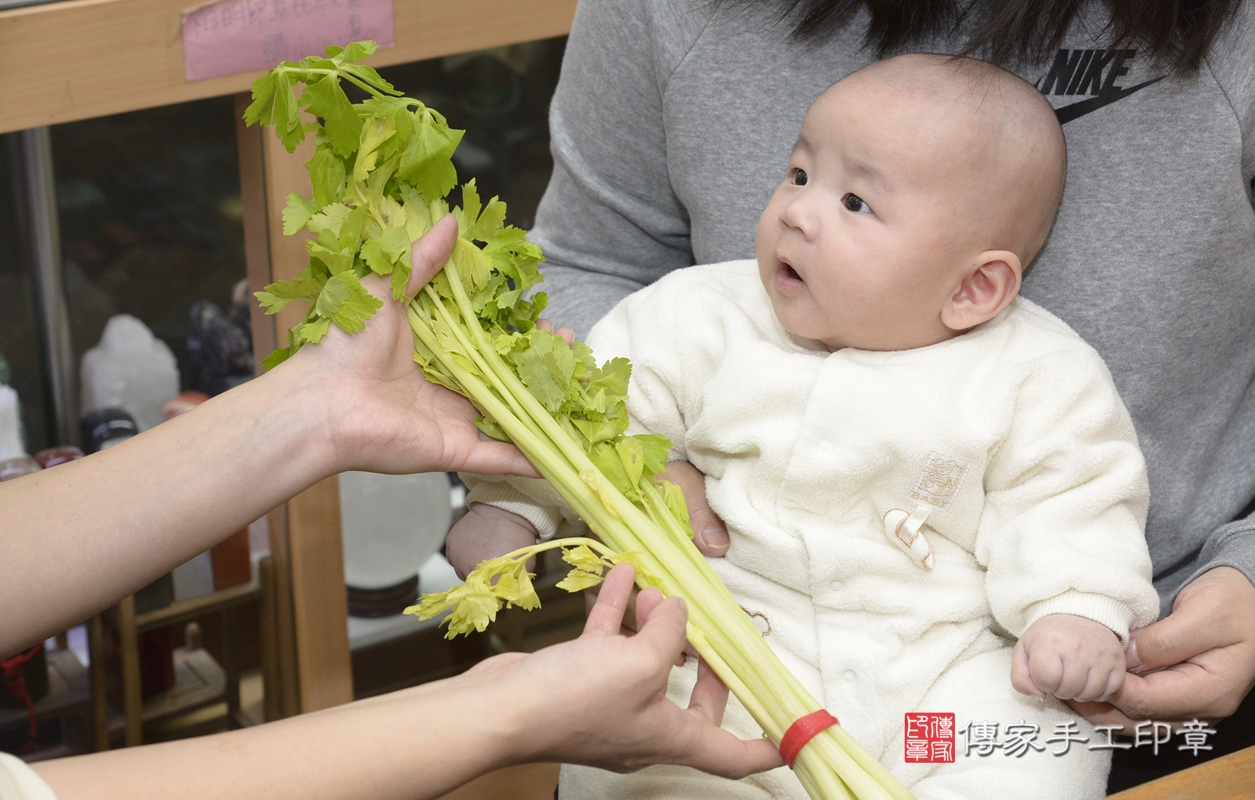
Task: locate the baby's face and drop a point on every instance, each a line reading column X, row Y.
column 865, row 239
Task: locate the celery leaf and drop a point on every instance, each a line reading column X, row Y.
column 327, row 173
column 297, row 213
column 327, row 100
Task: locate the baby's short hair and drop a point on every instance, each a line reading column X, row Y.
column 1011, row 119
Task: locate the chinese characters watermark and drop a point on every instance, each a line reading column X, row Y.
column 929, row 738
column 932, row 738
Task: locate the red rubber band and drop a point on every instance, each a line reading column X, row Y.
column 802, row 731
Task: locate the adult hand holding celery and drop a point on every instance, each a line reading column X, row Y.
column 381, row 173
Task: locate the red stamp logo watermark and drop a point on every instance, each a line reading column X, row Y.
column 929, row 738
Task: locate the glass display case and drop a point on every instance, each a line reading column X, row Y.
column 500, row 98
column 151, row 222
column 21, row 360
column 146, row 214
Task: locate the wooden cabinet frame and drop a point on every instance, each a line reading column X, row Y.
column 74, row 60
column 88, row 58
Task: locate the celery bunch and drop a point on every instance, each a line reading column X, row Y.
column 381, row 173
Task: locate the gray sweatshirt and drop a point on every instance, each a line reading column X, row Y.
column 673, row 123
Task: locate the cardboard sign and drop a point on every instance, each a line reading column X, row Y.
column 232, row 36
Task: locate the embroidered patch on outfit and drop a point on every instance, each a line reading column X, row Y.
column 939, row 481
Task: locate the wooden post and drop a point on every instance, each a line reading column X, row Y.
column 132, row 688
column 311, row 607
column 271, row 696
column 320, row 602
column 257, row 257
column 100, row 704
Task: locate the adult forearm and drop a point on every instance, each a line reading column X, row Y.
column 414, row 744
column 599, row 700
column 1231, row 545
column 76, row 538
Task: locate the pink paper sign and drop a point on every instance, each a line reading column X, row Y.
column 233, row 36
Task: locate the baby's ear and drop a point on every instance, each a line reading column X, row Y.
column 987, row 287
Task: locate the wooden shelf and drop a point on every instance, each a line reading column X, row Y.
column 89, row 58
column 187, row 610
column 1229, row 778
column 198, row 682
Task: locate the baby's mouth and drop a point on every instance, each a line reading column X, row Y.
column 788, row 273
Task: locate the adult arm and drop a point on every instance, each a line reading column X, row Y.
column 78, row 537
column 1196, row 663
column 609, row 221
column 600, row 700
column 1199, row 661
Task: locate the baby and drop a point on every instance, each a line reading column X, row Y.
column 915, row 466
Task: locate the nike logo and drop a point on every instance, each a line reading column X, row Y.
column 1070, row 112
column 1092, row 72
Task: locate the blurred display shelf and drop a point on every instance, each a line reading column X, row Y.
column 214, row 602
column 198, row 682
column 436, row 575
column 64, row 715
column 69, row 690
column 138, row 64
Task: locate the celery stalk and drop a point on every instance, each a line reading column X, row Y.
column 381, row 172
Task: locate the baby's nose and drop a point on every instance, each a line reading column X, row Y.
column 800, row 216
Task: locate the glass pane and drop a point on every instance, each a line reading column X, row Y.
column 151, row 220
column 19, row 338
column 500, row 97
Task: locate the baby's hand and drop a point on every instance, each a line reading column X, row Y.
column 1071, row 657
column 486, row 532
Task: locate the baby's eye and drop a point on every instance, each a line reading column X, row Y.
column 853, row 202
column 798, row 177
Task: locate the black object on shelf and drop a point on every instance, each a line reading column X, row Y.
column 383, row 602
column 106, row 427
column 219, row 350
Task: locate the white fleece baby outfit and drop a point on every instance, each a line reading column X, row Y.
column 1009, row 442
column 19, row 782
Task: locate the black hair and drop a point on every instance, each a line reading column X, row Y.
column 1177, row 33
